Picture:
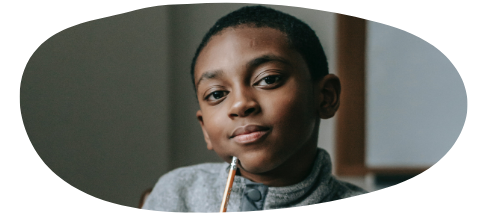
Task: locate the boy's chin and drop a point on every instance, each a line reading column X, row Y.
column 256, row 167
column 257, row 162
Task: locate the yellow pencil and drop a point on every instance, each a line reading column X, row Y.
column 228, row 187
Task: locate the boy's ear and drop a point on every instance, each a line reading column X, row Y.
column 329, row 96
column 199, row 115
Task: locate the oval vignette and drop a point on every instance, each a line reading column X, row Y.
column 109, row 107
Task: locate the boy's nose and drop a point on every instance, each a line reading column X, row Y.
column 243, row 106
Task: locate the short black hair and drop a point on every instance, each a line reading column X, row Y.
column 301, row 37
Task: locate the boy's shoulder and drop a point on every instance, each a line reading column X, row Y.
column 186, row 176
column 183, row 189
column 345, row 189
column 203, row 169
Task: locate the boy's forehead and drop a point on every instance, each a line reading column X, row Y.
column 253, row 32
column 241, row 44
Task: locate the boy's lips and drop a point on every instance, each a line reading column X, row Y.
column 248, row 130
column 250, row 137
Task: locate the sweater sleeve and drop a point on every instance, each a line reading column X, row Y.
column 188, row 189
column 166, row 194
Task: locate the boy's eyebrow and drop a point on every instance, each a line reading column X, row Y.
column 266, row 58
column 251, row 64
column 209, row 75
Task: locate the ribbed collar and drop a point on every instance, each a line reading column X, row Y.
column 315, row 188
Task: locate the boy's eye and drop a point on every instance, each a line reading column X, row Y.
column 216, row 95
column 271, row 79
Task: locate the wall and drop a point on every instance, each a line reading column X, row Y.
column 416, row 101
column 94, row 102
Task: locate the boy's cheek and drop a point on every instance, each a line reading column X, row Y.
column 216, row 127
column 290, row 104
column 295, row 116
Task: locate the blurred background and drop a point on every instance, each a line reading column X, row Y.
column 109, row 104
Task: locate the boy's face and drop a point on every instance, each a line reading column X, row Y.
column 256, row 97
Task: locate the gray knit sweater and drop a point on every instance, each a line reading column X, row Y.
column 200, row 188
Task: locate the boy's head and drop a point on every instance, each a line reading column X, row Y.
column 300, row 36
column 262, row 82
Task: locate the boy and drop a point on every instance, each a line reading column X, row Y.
column 262, row 83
